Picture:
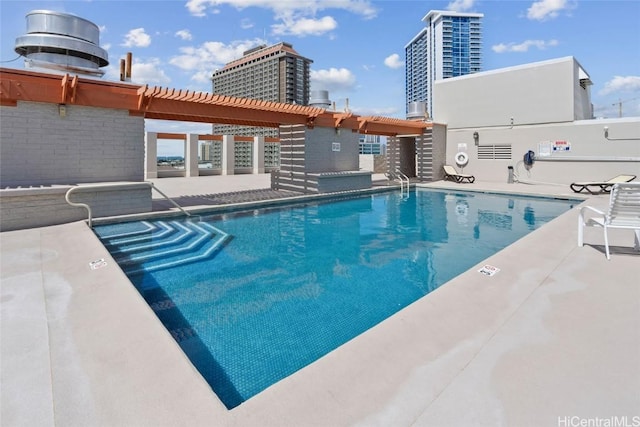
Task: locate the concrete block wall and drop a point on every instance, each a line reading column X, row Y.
column 341, row 181
column 292, row 174
column 41, row 146
column 320, row 155
column 424, row 154
column 44, row 206
column 393, row 153
column 45, row 149
column 310, row 164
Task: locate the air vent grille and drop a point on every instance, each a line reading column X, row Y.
column 494, row 152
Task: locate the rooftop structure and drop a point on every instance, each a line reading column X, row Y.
column 496, row 117
column 552, row 91
column 62, row 42
column 449, row 45
column 59, row 129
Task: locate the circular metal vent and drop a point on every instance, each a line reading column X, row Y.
column 62, row 41
column 320, row 98
column 417, row 111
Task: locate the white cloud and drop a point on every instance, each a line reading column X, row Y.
column 202, row 60
column 213, row 54
column 184, row 34
column 548, row 9
column 137, row 38
column 198, row 7
column 393, row 61
column 172, row 126
column 461, row 5
column 298, row 18
column 363, row 8
column 246, row 23
column 376, row 111
column 305, row 26
column 149, row 73
column 333, row 79
column 524, row 46
column 203, row 77
column 621, row 84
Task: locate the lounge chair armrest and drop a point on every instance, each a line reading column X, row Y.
column 584, row 208
column 582, row 216
column 582, row 222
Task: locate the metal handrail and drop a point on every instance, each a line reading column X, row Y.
column 112, row 187
column 402, row 177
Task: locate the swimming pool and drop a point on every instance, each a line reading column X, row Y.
column 252, row 297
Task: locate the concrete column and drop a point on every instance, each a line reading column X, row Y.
column 258, row 154
column 393, row 148
column 191, row 155
column 228, row 155
column 150, row 155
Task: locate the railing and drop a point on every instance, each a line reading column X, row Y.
column 114, row 187
column 404, row 184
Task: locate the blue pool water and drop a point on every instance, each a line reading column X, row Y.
column 252, row 297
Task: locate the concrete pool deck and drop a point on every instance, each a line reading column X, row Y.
column 552, row 339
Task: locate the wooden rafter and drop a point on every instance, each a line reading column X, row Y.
column 69, row 87
column 185, row 105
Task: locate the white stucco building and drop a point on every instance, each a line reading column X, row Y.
column 497, row 116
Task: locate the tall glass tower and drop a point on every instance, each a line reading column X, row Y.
column 449, row 45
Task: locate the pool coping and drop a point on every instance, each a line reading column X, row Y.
column 242, row 206
column 309, row 198
column 450, row 359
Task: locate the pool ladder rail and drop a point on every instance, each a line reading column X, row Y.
column 403, row 180
column 117, row 186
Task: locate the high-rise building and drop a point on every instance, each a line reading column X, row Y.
column 371, row 144
column 449, row 45
column 270, row 73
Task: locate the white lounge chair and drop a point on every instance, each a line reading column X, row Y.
column 624, row 212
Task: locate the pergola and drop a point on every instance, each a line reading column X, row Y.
column 184, row 105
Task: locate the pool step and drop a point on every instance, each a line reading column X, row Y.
column 141, row 232
column 164, row 244
column 160, row 234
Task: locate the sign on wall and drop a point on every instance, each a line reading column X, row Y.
column 546, row 148
column 335, row 146
column 561, row 145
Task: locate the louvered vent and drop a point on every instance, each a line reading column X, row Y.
column 494, row 152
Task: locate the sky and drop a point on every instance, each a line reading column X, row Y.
column 357, row 46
